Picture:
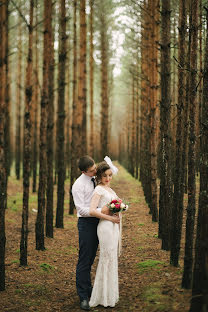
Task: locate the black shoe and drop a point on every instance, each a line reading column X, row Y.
column 84, row 305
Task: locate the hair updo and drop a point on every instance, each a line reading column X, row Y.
column 101, row 168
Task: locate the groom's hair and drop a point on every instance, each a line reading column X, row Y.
column 85, row 162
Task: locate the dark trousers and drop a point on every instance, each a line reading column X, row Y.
column 88, row 244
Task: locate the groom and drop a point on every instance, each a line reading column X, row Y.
column 82, row 191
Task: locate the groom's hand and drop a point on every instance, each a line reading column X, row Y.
column 105, row 210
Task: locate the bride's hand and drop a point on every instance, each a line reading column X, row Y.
column 105, row 210
column 115, row 219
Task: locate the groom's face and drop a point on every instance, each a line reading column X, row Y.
column 91, row 171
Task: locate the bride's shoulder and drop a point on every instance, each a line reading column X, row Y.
column 99, row 190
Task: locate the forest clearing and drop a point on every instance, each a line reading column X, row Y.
column 147, row 282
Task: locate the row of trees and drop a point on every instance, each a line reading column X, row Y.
column 170, row 88
column 156, row 127
column 57, row 43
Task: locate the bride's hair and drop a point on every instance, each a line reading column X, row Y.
column 101, row 168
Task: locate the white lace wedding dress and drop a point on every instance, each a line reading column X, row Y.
column 105, row 290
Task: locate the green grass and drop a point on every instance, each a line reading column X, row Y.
column 155, row 300
column 15, row 261
column 70, row 250
column 46, row 267
column 146, row 265
column 140, row 224
column 38, row 289
column 14, row 202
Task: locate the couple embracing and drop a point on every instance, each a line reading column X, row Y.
column 96, row 224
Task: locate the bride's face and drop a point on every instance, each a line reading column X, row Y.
column 106, row 177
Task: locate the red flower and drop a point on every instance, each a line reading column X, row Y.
column 117, row 206
column 114, row 201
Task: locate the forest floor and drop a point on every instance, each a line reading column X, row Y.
column 146, row 280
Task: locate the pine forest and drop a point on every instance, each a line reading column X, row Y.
column 123, row 78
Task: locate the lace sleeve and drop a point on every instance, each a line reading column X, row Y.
column 98, row 190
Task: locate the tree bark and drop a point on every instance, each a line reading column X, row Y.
column 61, row 117
column 165, row 139
column 39, row 226
column 82, row 99
column 177, row 208
column 36, row 102
column 91, row 79
column 154, row 5
column 188, row 259
column 76, row 116
column 199, row 300
column 7, row 132
column 18, row 105
column 50, row 125
column 104, row 87
column 27, row 142
column 3, row 190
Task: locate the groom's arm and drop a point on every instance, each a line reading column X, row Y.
column 79, row 203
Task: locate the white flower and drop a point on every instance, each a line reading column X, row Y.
column 127, row 207
column 112, row 205
column 122, row 205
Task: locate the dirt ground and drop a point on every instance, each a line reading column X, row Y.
column 146, row 280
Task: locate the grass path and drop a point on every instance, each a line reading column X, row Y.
column 146, row 280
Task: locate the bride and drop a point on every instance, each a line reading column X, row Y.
column 105, row 290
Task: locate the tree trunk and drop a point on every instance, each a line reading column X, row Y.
column 18, row 105
column 68, row 111
column 165, row 143
column 36, row 102
column 133, row 128
column 153, row 106
column 39, row 226
column 177, row 208
column 3, row 190
column 61, row 117
column 137, row 124
column 82, row 75
column 76, row 116
column 27, row 142
column 199, row 301
column 104, row 87
column 91, row 80
column 50, row 125
column 7, row 132
column 188, row 259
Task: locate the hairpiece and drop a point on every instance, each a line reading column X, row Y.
column 113, row 168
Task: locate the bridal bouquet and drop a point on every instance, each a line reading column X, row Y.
column 116, row 205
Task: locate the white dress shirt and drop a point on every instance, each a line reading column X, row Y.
column 82, row 191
